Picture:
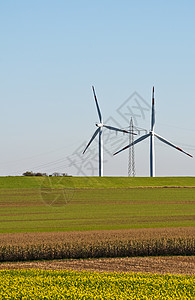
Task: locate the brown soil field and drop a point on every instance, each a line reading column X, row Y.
column 151, row 264
column 95, row 235
column 184, row 265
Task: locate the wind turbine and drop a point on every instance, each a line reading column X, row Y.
column 99, row 131
column 152, row 134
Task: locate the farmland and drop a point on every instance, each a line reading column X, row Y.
column 39, row 284
column 72, row 204
column 121, row 225
column 57, row 218
column 97, row 244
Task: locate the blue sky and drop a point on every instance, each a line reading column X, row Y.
column 52, row 52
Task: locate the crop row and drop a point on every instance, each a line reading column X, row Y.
column 38, row 284
column 97, row 249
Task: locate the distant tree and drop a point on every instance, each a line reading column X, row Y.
column 28, row 173
column 55, row 174
column 38, row 174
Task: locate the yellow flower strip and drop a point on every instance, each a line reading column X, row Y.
column 39, row 284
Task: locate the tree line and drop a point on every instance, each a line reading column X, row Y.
column 55, row 174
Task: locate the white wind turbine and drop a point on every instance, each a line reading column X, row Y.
column 99, row 130
column 152, row 134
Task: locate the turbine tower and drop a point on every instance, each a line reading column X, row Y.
column 152, row 134
column 100, row 132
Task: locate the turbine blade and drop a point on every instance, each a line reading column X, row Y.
column 153, row 96
column 98, row 109
column 93, row 137
column 117, row 129
column 170, row 144
column 143, row 137
column 153, row 112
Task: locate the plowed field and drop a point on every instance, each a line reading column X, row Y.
column 159, row 265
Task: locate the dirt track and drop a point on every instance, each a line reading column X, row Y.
column 173, row 265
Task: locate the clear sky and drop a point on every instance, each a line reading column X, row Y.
column 52, row 52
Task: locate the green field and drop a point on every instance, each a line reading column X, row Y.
column 30, row 204
column 12, row 182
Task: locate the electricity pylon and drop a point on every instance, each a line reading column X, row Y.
column 131, row 166
column 138, row 130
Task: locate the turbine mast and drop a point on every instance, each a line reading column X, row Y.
column 101, row 174
column 152, row 153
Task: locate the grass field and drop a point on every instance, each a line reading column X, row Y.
column 39, row 284
column 29, row 204
column 13, row 182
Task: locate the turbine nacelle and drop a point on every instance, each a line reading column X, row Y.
column 99, row 125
